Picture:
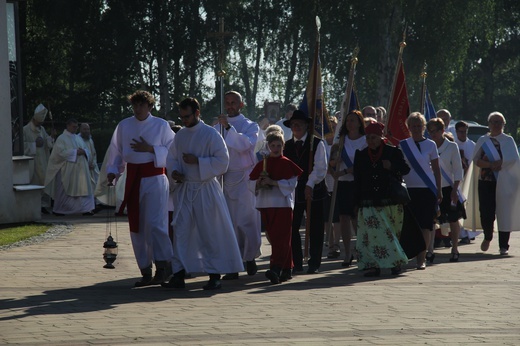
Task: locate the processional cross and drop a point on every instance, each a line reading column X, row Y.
column 220, row 36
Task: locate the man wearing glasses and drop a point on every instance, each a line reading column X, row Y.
column 204, row 240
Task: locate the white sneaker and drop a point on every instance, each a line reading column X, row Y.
column 503, row 251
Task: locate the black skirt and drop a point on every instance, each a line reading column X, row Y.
column 423, row 206
column 450, row 213
column 411, row 240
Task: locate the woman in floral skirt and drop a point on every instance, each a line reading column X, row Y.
column 379, row 219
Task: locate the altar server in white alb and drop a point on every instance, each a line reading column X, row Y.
column 240, row 135
column 38, row 144
column 497, row 183
column 142, row 143
column 204, row 240
column 67, row 179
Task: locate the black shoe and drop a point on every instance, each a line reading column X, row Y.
column 97, row 209
column 454, row 257
column 57, row 214
column 251, row 267
column 88, row 213
column 285, row 275
column 297, row 270
column 158, row 278
column 175, row 282
column 333, row 254
column 396, row 270
column 465, row 240
column 230, row 276
column 346, row 263
column 373, row 272
column 312, row 270
column 145, row 281
column 213, row 283
column 430, row 257
column 271, row 275
column 45, row 211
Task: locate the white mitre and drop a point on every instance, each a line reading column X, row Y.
column 40, row 113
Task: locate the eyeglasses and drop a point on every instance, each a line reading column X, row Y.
column 495, row 122
column 186, row 117
column 434, row 131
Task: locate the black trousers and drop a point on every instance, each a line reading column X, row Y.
column 315, row 234
column 487, row 207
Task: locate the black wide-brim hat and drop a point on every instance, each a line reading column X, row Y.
column 297, row 115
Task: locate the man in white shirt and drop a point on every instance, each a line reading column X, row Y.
column 311, row 186
column 466, row 147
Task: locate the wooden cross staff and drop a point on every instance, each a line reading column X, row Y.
column 221, row 36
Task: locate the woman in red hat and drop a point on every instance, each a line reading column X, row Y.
column 380, row 219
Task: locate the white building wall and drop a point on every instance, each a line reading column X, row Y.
column 14, row 206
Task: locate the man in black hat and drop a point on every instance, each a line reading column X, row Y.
column 311, row 185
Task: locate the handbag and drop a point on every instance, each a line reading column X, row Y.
column 397, row 191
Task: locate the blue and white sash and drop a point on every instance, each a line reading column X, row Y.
column 491, row 152
column 413, row 155
column 348, row 157
column 447, row 177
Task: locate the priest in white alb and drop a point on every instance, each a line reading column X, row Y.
column 84, row 134
column 67, row 179
column 38, row 144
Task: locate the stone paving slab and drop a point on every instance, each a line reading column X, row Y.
column 57, row 293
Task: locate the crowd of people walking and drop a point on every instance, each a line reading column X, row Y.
column 391, row 198
column 224, row 186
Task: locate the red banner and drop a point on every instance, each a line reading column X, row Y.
column 399, row 110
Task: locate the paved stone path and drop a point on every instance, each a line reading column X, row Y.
column 57, row 293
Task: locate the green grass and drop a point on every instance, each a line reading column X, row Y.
column 13, row 234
